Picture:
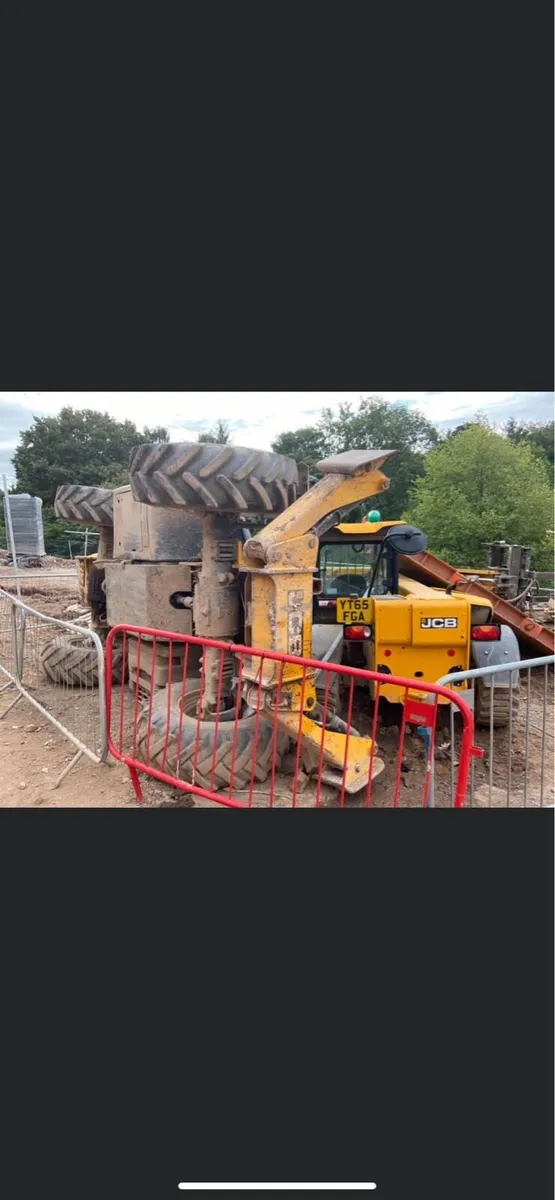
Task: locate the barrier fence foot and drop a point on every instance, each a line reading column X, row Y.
column 136, row 785
column 10, row 706
column 68, row 767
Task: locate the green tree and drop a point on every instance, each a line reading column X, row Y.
column 374, row 425
column 451, row 433
column 116, row 476
column 77, row 446
column 478, row 487
column 536, row 434
column 308, row 445
column 56, row 539
column 158, row 433
column 218, row 435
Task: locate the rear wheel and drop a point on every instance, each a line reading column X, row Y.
column 213, row 478
column 224, row 756
column 501, row 705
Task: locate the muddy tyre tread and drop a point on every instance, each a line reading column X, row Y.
column 70, row 662
column 501, row 706
column 213, row 478
column 213, row 764
column 91, row 505
column 74, row 664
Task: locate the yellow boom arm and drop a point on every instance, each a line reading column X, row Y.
column 280, row 562
column 347, row 478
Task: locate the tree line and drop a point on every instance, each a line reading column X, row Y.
column 463, row 487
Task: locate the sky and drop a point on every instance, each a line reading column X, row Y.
column 255, row 418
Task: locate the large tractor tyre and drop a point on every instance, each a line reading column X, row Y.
column 73, row 663
column 215, row 756
column 501, row 705
column 91, row 505
column 212, row 478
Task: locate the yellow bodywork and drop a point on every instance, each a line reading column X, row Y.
column 366, row 527
column 355, row 754
column 404, row 647
column 399, row 642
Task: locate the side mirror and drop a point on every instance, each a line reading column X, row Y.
column 405, row 539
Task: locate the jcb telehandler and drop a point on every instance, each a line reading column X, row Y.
column 390, row 622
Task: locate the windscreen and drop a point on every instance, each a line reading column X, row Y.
column 346, row 569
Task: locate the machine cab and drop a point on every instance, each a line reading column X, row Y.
column 356, row 562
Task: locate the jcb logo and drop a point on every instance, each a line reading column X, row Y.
column 438, row 622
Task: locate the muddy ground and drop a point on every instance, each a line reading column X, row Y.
column 33, row 754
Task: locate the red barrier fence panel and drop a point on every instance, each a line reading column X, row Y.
column 245, row 728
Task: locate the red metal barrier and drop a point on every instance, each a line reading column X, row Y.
column 242, row 752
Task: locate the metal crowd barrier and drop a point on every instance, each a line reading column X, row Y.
column 58, row 668
column 245, row 757
column 517, row 770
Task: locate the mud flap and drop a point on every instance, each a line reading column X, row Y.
column 504, row 651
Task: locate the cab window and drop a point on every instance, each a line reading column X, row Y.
column 346, row 569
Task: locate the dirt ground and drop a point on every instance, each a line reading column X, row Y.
column 59, row 578
column 33, row 754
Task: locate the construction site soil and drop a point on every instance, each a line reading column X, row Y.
column 33, row 753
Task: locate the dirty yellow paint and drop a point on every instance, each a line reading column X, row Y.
column 85, row 563
column 359, row 750
column 330, row 493
column 281, row 560
column 408, row 643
